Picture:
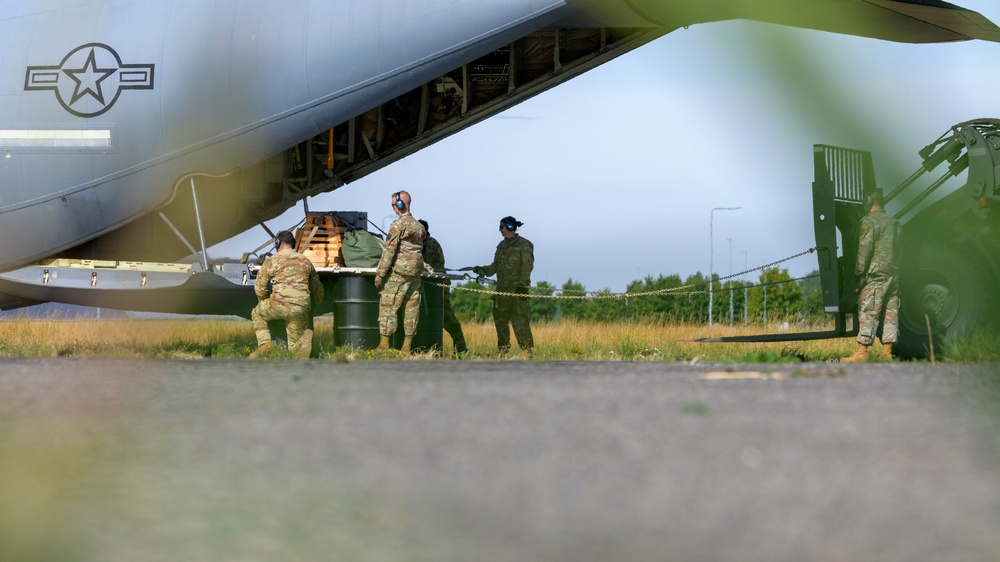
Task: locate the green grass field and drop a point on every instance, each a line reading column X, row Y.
column 555, row 341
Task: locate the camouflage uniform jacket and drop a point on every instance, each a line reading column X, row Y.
column 512, row 264
column 403, row 250
column 878, row 241
column 293, row 280
column 434, row 254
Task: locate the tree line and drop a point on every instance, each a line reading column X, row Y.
column 775, row 294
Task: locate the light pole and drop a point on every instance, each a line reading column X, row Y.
column 730, row 280
column 746, row 305
column 763, row 274
column 711, row 256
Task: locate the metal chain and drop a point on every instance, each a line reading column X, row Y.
column 626, row 295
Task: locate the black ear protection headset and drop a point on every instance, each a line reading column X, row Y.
column 874, row 197
column 398, row 202
column 287, row 235
column 509, row 224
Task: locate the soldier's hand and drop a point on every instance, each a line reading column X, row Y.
column 378, row 282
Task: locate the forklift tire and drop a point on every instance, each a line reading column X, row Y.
column 949, row 288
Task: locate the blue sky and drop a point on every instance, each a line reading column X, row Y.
column 615, row 173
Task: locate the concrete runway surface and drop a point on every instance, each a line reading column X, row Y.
column 212, row 460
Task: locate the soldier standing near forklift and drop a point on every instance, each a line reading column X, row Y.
column 878, row 279
column 512, row 264
column 398, row 276
column 295, row 291
column 434, row 257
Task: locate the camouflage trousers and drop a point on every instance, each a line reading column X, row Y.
column 400, row 291
column 297, row 325
column 877, row 296
column 451, row 323
column 516, row 312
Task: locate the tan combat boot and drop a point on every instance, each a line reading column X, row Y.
column 383, row 344
column 887, row 351
column 860, row 354
column 262, row 350
column 407, row 343
column 303, row 348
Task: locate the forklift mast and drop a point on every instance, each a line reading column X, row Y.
column 843, row 177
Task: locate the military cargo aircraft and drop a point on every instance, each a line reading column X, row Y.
column 129, row 128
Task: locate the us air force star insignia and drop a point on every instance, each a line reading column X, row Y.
column 89, row 80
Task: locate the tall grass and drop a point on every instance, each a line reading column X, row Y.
column 126, row 338
column 979, row 347
column 554, row 341
column 653, row 341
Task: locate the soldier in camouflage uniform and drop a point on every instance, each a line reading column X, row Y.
column 512, row 264
column 295, row 291
column 398, row 276
column 434, row 257
column 878, row 280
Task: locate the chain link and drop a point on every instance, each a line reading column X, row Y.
column 670, row 290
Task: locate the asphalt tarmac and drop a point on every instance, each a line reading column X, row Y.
column 212, row 460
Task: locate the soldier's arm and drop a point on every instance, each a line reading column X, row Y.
column 492, row 268
column 428, row 252
column 389, row 252
column 866, row 243
column 263, row 279
column 433, row 253
column 527, row 264
column 315, row 287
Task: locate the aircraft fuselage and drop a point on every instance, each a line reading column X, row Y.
column 109, row 107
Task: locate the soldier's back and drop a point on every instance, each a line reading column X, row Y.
column 886, row 231
column 409, row 259
column 515, row 259
column 290, row 272
column 433, row 253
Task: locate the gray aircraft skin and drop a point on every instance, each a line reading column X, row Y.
column 123, row 116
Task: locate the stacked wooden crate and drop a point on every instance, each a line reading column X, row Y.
column 320, row 239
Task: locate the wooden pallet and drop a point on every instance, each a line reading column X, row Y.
column 320, row 240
